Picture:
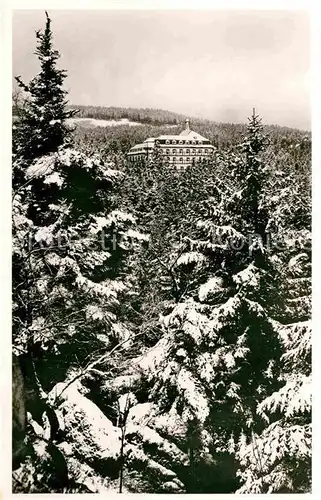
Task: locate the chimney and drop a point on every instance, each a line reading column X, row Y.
column 187, row 124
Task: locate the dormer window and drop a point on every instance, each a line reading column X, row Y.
column 174, row 142
column 167, row 141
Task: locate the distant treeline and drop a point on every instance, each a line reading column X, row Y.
column 141, row 115
column 222, row 135
column 151, row 116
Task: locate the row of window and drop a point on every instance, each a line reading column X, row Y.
column 173, row 141
column 181, row 160
column 187, row 151
column 185, row 159
column 137, row 157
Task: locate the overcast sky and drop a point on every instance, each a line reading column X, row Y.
column 212, row 64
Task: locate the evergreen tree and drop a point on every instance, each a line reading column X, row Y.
column 70, row 265
column 278, row 459
column 41, row 127
column 251, row 174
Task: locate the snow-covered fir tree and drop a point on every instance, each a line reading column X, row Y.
column 70, row 268
column 278, row 459
column 42, row 126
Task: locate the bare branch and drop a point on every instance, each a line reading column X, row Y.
column 102, row 358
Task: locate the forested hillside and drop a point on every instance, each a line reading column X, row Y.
column 161, row 317
column 156, row 122
column 148, row 115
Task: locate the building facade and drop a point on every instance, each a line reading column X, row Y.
column 181, row 149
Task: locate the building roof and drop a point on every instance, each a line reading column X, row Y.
column 191, row 136
column 138, row 146
column 187, row 133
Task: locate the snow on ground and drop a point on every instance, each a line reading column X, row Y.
column 94, row 122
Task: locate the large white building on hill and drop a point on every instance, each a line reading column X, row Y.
column 179, row 149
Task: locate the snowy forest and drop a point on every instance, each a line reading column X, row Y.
column 161, row 317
